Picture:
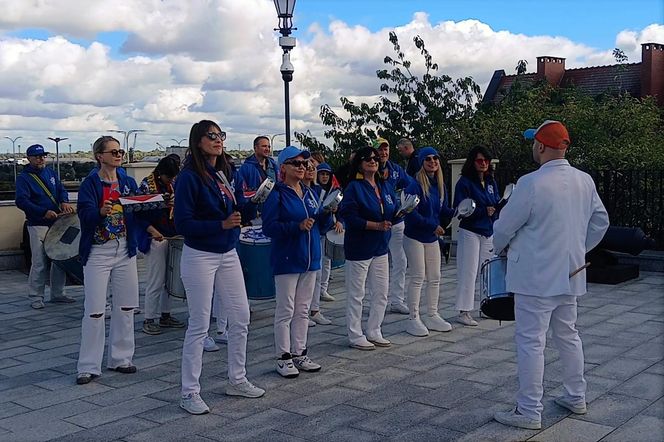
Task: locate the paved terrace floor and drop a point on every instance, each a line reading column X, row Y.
column 443, row 387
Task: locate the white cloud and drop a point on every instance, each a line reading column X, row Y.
column 219, row 59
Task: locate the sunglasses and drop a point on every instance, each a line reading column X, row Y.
column 432, row 158
column 298, row 163
column 482, row 161
column 370, row 158
column 116, row 152
column 214, row 135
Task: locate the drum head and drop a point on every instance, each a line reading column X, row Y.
column 253, row 235
column 500, row 309
column 263, row 191
column 466, row 207
column 334, row 237
column 332, row 200
column 61, row 241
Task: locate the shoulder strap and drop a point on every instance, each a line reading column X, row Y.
column 44, row 188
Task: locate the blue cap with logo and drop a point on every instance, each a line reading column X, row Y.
column 290, row 152
column 35, row 150
column 425, row 152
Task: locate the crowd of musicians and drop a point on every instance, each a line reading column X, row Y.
column 392, row 256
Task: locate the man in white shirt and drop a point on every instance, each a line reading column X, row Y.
column 552, row 219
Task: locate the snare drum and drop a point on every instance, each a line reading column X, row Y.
column 174, row 285
column 254, row 252
column 61, row 245
column 334, row 248
column 497, row 303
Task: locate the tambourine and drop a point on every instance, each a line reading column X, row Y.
column 332, row 200
column 409, row 204
column 263, row 191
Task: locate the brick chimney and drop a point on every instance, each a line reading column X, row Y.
column 551, row 68
column 652, row 71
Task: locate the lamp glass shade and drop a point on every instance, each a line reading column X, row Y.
column 284, row 7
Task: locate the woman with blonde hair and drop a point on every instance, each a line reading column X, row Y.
column 421, row 243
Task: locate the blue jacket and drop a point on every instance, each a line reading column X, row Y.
column 421, row 223
column 293, row 250
column 251, row 174
column 360, row 204
column 90, row 197
column 200, row 208
column 479, row 222
column 397, row 177
column 33, row 200
column 159, row 219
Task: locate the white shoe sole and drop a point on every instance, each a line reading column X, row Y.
column 195, row 413
column 232, row 392
column 363, row 347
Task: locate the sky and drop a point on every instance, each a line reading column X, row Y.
column 80, row 68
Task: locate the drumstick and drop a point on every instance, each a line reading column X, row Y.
column 168, row 238
column 579, row 269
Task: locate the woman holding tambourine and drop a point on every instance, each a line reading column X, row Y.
column 475, row 237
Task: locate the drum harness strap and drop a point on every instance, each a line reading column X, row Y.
column 43, row 186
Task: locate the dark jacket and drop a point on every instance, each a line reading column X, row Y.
column 421, row 223
column 479, row 222
column 33, row 200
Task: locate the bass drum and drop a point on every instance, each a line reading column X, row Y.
column 254, row 252
column 497, row 303
column 334, row 248
column 61, row 245
column 174, row 285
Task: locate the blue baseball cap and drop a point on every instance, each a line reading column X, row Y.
column 36, row 150
column 324, row 167
column 290, row 152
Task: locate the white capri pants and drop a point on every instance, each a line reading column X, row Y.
column 202, row 273
column 108, row 261
column 376, row 271
column 291, row 314
column 472, row 250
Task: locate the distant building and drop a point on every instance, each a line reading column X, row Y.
column 642, row 79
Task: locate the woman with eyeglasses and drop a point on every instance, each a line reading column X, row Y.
column 107, row 250
column 207, row 214
column 153, row 243
column 421, row 244
column 292, row 219
column 368, row 210
column 475, row 238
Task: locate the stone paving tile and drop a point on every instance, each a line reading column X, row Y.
column 352, row 435
column 423, row 432
column 42, row 400
column 643, row 385
column 656, row 409
column 13, row 394
column 106, row 398
column 638, row 429
column 620, row 368
column 453, row 393
column 9, row 409
column 440, row 376
column 115, row 412
column 467, row 416
column 572, row 429
column 178, row 431
column 109, row 432
column 389, row 396
column 320, row 400
column 496, row 432
column 319, row 425
column 46, row 416
column 397, row 419
column 251, row 426
column 42, row 433
column 614, row 409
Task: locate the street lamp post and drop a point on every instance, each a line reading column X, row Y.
column 13, row 140
column 57, row 153
column 126, row 134
column 178, row 141
column 285, row 14
column 272, row 140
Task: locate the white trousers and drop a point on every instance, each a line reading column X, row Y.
column 39, row 270
column 157, row 300
column 202, row 274
column 472, row 251
column 423, row 266
column 293, row 293
column 108, row 262
column 398, row 265
column 533, row 316
column 322, row 277
column 376, row 270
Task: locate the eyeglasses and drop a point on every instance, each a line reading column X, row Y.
column 310, row 168
column 116, row 152
column 432, row 158
column 481, row 161
column 370, row 158
column 214, row 135
column 38, row 157
column 298, row 163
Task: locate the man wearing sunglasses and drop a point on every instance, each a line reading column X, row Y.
column 41, row 195
column 259, row 166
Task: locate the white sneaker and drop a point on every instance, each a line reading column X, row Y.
column 363, row 344
column 465, row 319
column 575, row 407
column 416, row 327
column 194, row 404
column 286, row 368
column 303, row 363
column 436, row 323
column 399, row 308
column 516, row 419
column 209, row 344
column 318, row 318
column 221, row 338
column 379, row 341
column 245, row 389
column 311, row 323
column 325, row 296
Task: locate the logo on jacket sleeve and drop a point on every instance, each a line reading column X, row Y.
column 489, row 189
column 53, row 180
column 388, row 200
